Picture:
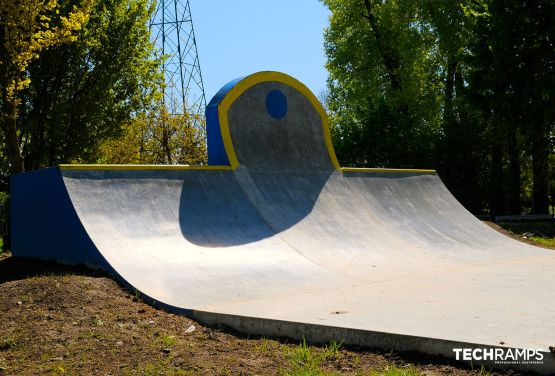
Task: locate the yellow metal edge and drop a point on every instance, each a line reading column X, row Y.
column 260, row 77
column 388, row 170
column 141, row 167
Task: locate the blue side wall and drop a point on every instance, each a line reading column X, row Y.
column 44, row 223
column 217, row 156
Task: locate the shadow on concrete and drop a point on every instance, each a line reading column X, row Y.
column 236, row 209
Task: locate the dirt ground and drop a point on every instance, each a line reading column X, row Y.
column 61, row 320
column 516, row 230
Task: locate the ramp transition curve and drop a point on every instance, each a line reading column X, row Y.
column 275, row 238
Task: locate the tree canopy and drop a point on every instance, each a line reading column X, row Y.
column 463, row 86
column 82, row 94
column 27, row 28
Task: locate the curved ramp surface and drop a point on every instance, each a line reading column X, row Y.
column 276, row 239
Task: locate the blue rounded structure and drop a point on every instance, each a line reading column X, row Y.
column 276, row 104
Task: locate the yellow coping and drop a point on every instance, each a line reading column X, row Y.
column 388, row 170
column 140, row 167
column 257, row 78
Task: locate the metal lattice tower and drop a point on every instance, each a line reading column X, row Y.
column 172, row 31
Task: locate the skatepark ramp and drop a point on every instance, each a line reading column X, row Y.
column 274, row 238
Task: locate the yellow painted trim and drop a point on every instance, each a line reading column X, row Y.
column 387, row 170
column 132, row 167
column 257, row 78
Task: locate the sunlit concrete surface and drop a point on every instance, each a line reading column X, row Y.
column 287, row 244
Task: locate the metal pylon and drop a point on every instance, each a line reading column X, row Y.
column 173, row 33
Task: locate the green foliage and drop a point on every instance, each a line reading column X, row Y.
column 512, row 72
column 83, row 93
column 157, row 137
column 27, row 29
column 465, row 87
column 383, row 98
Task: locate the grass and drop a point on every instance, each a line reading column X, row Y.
column 546, row 242
column 397, row 371
column 167, row 340
column 543, row 229
column 305, row 360
column 540, row 232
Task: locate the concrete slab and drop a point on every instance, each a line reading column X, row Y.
column 283, row 242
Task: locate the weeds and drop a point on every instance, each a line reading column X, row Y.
column 7, row 344
column 96, row 321
column 307, row 361
column 167, row 340
column 484, row 372
column 546, row 242
column 396, row 371
column 263, row 346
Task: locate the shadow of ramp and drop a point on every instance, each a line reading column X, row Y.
column 18, row 268
column 214, row 212
column 230, row 209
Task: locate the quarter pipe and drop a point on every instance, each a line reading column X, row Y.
column 274, row 238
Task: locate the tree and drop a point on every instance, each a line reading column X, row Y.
column 28, row 28
column 512, row 65
column 82, row 94
column 463, row 86
column 157, row 137
column 383, row 95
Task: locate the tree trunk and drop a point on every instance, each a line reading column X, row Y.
column 452, row 145
column 166, row 144
column 514, row 172
column 388, row 55
column 496, row 185
column 9, row 123
column 449, row 118
column 540, row 171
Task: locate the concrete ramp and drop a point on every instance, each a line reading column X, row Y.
column 274, row 238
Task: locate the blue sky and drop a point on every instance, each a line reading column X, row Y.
column 239, row 37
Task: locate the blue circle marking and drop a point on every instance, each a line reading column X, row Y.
column 276, row 104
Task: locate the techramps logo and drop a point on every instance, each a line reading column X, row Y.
column 500, row 355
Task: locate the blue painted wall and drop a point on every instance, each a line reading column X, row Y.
column 44, row 223
column 217, row 155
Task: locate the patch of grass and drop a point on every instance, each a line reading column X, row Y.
column 60, row 369
column 333, row 350
column 307, row 361
column 546, row 242
column 167, row 340
column 545, row 229
column 8, row 344
column 159, row 368
column 263, row 346
column 397, row 371
column 540, row 232
column 484, row 372
column 97, row 321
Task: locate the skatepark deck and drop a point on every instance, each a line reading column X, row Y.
column 274, row 238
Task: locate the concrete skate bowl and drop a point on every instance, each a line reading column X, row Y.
column 274, row 238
